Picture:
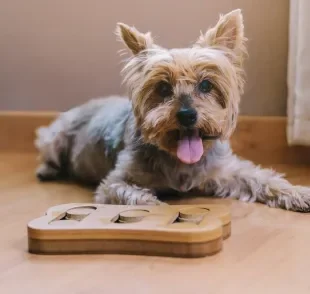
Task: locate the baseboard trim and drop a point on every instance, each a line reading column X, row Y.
column 260, row 139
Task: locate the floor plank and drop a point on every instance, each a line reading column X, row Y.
column 267, row 252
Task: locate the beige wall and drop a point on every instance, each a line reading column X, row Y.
column 57, row 53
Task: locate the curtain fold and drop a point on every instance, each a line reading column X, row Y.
column 298, row 108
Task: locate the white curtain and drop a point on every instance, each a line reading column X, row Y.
column 298, row 129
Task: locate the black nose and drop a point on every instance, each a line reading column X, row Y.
column 187, row 117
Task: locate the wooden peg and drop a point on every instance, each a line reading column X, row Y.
column 193, row 213
column 79, row 213
column 134, row 215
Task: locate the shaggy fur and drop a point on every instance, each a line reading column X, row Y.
column 129, row 147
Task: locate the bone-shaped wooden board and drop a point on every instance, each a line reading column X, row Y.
column 164, row 230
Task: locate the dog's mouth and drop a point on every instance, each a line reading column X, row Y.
column 208, row 137
column 194, row 132
column 190, row 144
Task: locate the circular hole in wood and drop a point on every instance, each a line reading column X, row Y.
column 133, row 215
column 186, row 220
column 78, row 213
column 193, row 213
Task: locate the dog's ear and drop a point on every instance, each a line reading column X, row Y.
column 133, row 39
column 228, row 32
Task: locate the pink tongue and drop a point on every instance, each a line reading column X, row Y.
column 190, row 149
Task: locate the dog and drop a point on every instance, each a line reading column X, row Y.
column 172, row 131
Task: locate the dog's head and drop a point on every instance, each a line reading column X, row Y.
column 184, row 99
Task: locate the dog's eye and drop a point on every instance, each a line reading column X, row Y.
column 205, row 86
column 164, row 89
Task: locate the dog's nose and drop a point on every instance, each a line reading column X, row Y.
column 187, row 117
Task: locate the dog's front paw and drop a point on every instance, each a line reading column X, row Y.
column 123, row 194
column 294, row 198
column 147, row 199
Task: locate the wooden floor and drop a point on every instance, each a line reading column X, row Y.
column 267, row 252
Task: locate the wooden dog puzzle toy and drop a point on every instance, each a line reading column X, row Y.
column 164, row 230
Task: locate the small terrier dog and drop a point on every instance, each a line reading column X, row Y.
column 172, row 134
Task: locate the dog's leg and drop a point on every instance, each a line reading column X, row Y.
column 115, row 189
column 124, row 194
column 241, row 179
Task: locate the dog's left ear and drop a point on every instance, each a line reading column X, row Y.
column 228, row 32
column 133, row 39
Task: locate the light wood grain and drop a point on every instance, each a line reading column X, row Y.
column 268, row 251
column 260, row 139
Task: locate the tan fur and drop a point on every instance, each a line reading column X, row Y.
column 211, row 57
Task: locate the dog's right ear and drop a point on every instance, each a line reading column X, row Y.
column 133, row 39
